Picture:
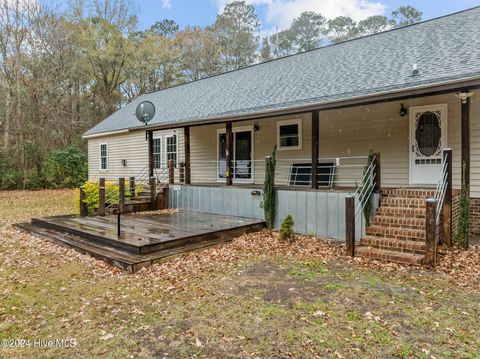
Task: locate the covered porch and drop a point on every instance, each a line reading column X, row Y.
column 328, row 149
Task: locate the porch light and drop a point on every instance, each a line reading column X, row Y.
column 403, row 110
column 256, row 126
column 174, row 133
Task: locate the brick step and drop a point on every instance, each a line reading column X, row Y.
column 395, row 245
column 408, row 193
column 390, row 256
column 402, row 212
column 396, row 233
column 399, row 222
column 402, row 202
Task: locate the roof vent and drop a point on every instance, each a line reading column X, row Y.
column 415, row 71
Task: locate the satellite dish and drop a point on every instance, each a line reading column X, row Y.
column 145, row 111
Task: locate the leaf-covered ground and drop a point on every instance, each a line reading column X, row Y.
column 256, row 297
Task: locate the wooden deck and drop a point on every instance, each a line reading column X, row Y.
column 145, row 238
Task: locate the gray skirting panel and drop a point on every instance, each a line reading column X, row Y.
column 320, row 213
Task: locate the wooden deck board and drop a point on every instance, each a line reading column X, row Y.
column 145, row 238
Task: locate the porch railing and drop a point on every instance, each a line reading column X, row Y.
column 292, row 172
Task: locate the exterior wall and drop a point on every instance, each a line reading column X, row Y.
column 132, row 147
column 474, row 217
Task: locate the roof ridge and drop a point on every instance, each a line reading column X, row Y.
column 315, row 49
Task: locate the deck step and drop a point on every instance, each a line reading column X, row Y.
column 396, row 233
column 390, row 256
column 399, row 222
column 408, row 192
column 402, row 212
column 396, row 245
column 123, row 260
column 403, row 202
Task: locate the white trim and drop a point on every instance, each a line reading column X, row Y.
column 176, row 148
column 296, row 121
column 411, row 112
column 100, row 156
column 252, row 154
column 102, row 134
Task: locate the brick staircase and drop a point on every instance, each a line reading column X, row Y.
column 397, row 231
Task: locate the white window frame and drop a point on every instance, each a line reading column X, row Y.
column 163, row 147
column 166, row 137
column 100, row 156
column 161, row 152
column 252, row 155
column 295, row 121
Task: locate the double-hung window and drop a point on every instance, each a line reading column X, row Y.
column 171, row 149
column 164, row 149
column 157, row 152
column 289, row 134
column 103, row 157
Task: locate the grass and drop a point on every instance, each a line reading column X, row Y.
column 260, row 307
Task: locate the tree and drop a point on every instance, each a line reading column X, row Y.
column 265, row 50
column 199, row 53
column 166, row 28
column 405, row 15
column 372, row 25
column 342, row 28
column 282, row 44
column 236, row 30
column 308, row 31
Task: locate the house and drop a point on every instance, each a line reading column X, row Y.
column 407, row 94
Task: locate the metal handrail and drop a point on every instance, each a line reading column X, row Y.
column 365, row 189
column 441, row 189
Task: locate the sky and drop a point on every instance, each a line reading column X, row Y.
column 278, row 14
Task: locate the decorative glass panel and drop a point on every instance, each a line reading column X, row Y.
column 428, row 134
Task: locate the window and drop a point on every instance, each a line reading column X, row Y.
column 103, row 157
column 157, row 153
column 172, row 149
column 164, row 149
column 289, row 134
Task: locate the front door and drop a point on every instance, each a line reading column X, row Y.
column 428, row 136
column 242, row 155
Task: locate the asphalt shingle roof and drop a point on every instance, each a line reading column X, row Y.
column 444, row 49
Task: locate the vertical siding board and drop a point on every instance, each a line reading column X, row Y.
column 322, row 214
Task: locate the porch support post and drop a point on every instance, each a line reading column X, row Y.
column 377, row 178
column 229, row 153
column 153, row 193
column 315, row 149
column 171, row 172
column 121, row 195
column 101, row 197
column 83, row 205
column 431, row 231
column 186, row 135
column 465, row 124
column 132, row 187
column 150, row 153
column 350, row 226
column 447, row 201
